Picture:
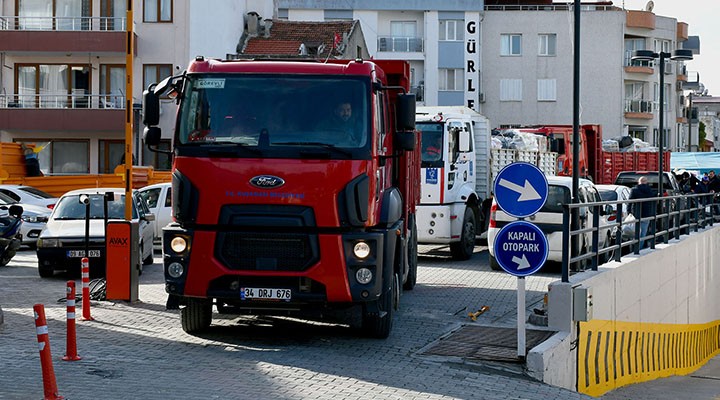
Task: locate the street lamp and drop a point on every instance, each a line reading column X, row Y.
column 648, row 55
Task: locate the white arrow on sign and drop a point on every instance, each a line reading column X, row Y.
column 527, row 192
column 521, row 262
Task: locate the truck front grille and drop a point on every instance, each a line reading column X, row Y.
column 266, row 251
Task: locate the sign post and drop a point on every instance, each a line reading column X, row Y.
column 521, row 248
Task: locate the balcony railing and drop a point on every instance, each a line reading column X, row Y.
column 637, row 63
column 62, row 23
column 638, row 106
column 400, row 43
column 77, row 101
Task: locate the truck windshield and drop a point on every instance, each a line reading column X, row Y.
column 277, row 114
column 432, row 143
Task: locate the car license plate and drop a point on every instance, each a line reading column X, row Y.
column 265, row 294
column 81, row 253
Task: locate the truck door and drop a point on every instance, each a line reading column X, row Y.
column 460, row 160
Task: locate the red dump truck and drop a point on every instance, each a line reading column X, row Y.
column 294, row 189
column 595, row 163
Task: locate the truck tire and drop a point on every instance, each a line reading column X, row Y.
column 464, row 249
column 493, row 263
column 411, row 255
column 196, row 316
column 379, row 325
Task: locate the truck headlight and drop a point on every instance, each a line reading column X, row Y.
column 363, row 276
column 175, row 270
column 48, row 243
column 361, row 250
column 178, row 244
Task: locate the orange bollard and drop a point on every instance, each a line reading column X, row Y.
column 48, row 374
column 86, row 289
column 71, row 347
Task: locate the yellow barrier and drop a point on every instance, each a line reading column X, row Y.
column 12, row 171
column 613, row 354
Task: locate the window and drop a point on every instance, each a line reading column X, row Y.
column 113, row 15
column 451, row 30
column 63, row 156
column 53, row 86
column 111, row 154
column 510, row 89
column 112, row 86
column 510, row 45
column 159, row 161
column 154, row 73
column 404, row 36
column 450, row 79
column 67, row 15
column 632, row 44
column 546, row 90
column 546, row 44
column 157, row 11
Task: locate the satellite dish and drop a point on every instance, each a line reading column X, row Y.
column 649, row 6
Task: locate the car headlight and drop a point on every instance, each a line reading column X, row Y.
column 30, row 218
column 361, row 250
column 48, row 243
column 178, row 244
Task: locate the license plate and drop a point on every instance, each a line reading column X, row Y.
column 265, row 294
column 81, row 253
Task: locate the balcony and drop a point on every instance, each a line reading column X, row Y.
column 640, row 19
column 400, row 44
column 638, row 109
column 20, row 35
column 638, row 66
column 62, row 112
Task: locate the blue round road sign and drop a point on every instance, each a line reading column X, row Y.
column 521, row 189
column 521, row 248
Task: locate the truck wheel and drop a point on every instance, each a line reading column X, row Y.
column 411, row 256
column 494, row 264
column 196, row 316
column 463, row 249
column 379, row 325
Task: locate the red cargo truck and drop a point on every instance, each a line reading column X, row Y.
column 294, row 189
column 595, row 163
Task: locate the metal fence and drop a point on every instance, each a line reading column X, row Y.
column 62, row 23
column 74, row 100
column 674, row 216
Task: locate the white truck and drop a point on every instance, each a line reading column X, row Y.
column 455, row 177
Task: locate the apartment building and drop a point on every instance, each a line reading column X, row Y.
column 62, row 80
column 440, row 39
column 522, row 73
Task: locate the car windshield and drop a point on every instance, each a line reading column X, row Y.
column 630, row 180
column 608, row 194
column 557, row 196
column 6, row 200
column 36, row 192
column 70, row 207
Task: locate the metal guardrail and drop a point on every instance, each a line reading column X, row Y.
column 62, row 23
column 75, row 100
column 675, row 216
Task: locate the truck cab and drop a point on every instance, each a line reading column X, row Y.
column 449, row 209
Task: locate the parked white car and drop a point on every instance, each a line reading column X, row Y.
column 619, row 193
column 158, row 198
column 550, row 218
column 62, row 243
column 29, row 195
column 34, row 218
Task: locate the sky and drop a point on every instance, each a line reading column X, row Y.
column 702, row 17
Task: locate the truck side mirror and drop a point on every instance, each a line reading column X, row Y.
column 406, row 112
column 151, row 107
column 151, row 135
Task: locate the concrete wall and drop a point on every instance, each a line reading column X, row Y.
column 675, row 284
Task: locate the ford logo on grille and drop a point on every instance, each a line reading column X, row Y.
column 267, row 181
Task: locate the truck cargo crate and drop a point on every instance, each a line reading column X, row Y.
column 528, row 156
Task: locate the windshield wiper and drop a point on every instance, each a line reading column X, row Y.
column 229, row 149
column 319, row 144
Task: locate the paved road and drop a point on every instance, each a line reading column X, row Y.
column 138, row 350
